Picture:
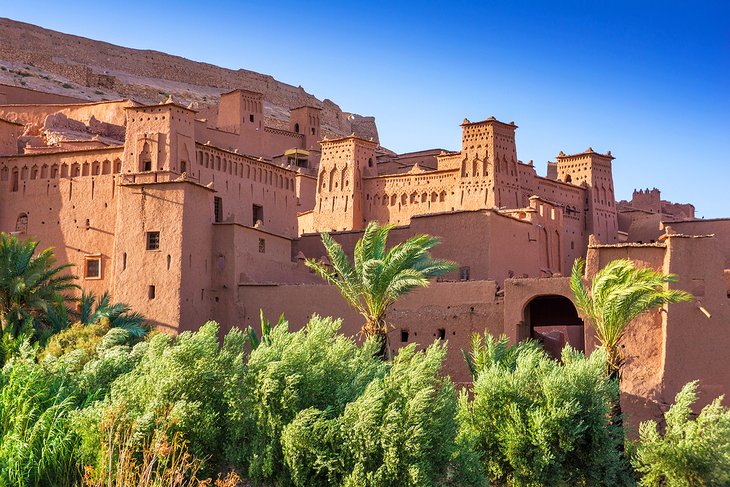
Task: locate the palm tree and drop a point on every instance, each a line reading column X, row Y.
column 119, row 315
column 30, row 286
column 619, row 293
column 377, row 278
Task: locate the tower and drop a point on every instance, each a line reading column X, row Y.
column 343, row 165
column 593, row 171
column 305, row 120
column 489, row 176
column 159, row 138
column 241, row 112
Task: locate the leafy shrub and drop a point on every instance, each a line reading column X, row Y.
column 291, row 372
column 536, row 421
column 692, row 452
column 36, row 441
column 185, row 379
column 78, row 337
column 400, row 431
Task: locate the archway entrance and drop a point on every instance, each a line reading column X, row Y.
column 554, row 321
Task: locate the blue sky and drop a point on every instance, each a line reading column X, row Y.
column 648, row 80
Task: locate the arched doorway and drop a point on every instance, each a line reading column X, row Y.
column 554, row 322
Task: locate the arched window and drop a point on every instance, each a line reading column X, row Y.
column 145, row 159
column 568, row 179
column 296, row 127
column 21, row 224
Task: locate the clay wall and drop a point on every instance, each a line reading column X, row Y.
column 276, row 141
column 9, row 133
column 719, row 227
column 397, row 199
column 454, row 310
column 242, row 182
column 74, row 215
column 16, row 95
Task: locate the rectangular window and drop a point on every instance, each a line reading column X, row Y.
column 151, row 292
column 250, row 117
column 153, row 241
column 92, row 268
column 464, row 273
column 218, row 209
column 262, row 245
column 258, row 214
column 147, row 166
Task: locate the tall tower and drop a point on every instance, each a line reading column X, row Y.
column 241, row 112
column 305, row 120
column 159, row 138
column 593, row 171
column 344, row 163
column 489, row 175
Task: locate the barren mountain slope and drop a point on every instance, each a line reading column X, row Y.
column 54, row 62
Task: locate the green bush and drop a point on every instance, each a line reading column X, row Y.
column 185, row 380
column 37, row 444
column 312, row 368
column 692, row 452
column 536, row 421
column 78, row 337
column 400, row 431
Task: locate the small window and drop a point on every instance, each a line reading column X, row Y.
column 92, row 268
column 296, row 127
column 147, row 165
column 442, row 334
column 21, row 224
column 218, row 209
column 370, row 162
column 183, row 166
column 312, row 130
column 403, row 336
column 151, row 292
column 262, row 246
column 250, row 118
column 153, row 241
column 258, row 214
column 464, row 273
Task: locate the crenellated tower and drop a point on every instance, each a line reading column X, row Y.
column 593, row 171
column 344, row 163
column 159, row 138
column 305, row 120
column 489, row 176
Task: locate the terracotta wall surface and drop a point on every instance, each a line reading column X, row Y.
column 457, row 308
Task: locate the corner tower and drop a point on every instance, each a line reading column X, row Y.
column 593, row 171
column 241, row 112
column 305, row 120
column 159, row 138
column 343, row 165
column 489, row 175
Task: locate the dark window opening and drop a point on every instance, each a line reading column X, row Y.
column 183, row 166
column 151, row 292
column 403, row 336
column 442, row 334
column 21, row 224
column 153, row 241
column 92, row 269
column 258, row 214
column 370, row 162
column 250, row 118
column 312, row 130
column 124, row 261
column 464, row 273
column 147, row 165
column 218, row 209
column 262, row 245
column 296, row 127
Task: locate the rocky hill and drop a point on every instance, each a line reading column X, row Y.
column 63, row 64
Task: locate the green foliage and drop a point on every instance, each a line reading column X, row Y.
column 187, row 380
column 118, row 315
column 78, row 337
column 312, row 368
column 536, row 421
column 487, row 351
column 692, row 452
column 29, row 285
column 266, row 327
column 619, row 293
column 36, row 441
column 400, row 431
column 376, row 278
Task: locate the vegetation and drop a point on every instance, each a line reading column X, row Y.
column 692, row 452
column 619, row 293
column 30, row 288
column 102, row 404
column 379, row 277
column 536, row 421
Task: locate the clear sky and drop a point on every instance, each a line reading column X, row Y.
column 649, row 80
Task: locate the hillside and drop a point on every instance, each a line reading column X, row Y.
column 54, row 62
